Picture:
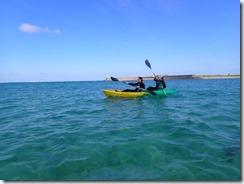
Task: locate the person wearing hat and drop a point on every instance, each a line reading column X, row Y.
column 160, row 83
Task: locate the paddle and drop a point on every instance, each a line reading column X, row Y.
column 117, row 80
column 149, row 66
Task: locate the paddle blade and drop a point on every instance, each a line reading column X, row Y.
column 148, row 63
column 114, row 79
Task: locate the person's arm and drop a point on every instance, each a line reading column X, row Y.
column 142, row 86
column 157, row 85
column 164, row 85
column 133, row 84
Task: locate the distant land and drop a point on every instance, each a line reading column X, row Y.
column 180, row 77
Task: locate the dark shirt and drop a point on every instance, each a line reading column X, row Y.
column 142, row 85
column 160, row 84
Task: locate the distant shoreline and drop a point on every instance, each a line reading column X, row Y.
column 170, row 77
column 220, row 76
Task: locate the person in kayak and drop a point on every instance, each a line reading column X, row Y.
column 160, row 83
column 138, row 85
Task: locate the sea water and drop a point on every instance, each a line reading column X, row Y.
column 71, row 131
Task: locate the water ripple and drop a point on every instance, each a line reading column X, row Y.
column 63, row 131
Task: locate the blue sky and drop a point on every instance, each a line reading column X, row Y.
column 62, row 40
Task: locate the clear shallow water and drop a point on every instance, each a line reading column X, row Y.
column 71, row 131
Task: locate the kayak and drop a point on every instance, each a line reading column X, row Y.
column 165, row 91
column 120, row 93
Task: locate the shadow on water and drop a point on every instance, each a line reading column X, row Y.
column 135, row 103
column 123, row 105
column 230, row 152
column 136, row 109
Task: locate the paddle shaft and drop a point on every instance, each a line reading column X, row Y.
column 153, row 73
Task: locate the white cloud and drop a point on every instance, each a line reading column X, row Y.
column 35, row 29
column 57, row 31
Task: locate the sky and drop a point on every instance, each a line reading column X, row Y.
column 73, row 40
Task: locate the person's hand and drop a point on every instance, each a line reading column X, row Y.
column 137, row 86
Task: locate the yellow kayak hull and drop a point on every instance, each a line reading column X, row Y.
column 119, row 93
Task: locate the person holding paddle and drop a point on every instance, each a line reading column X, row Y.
column 160, row 83
column 138, row 85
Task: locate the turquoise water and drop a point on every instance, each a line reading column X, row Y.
column 71, row 131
